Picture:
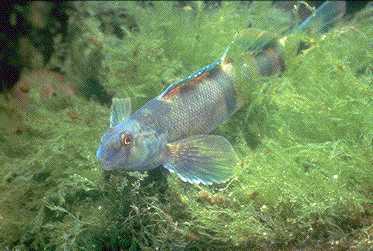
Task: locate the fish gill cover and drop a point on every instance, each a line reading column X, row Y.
column 304, row 138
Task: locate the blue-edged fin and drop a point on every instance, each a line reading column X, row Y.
column 194, row 78
column 120, row 110
column 324, row 17
column 204, row 159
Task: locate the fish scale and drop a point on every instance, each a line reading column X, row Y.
column 173, row 128
column 197, row 110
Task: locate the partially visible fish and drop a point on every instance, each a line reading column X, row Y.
column 173, row 129
column 324, row 17
column 267, row 50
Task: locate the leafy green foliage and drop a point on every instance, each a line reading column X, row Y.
column 304, row 139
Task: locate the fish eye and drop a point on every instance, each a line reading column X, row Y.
column 125, row 139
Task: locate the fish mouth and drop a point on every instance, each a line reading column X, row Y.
column 108, row 165
column 109, row 162
column 105, row 163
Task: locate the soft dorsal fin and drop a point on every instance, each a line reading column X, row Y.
column 120, row 110
column 194, row 78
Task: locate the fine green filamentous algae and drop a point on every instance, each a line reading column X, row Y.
column 304, row 136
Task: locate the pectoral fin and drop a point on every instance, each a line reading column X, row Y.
column 120, row 110
column 205, row 159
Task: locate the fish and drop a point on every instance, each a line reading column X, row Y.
column 323, row 18
column 173, row 129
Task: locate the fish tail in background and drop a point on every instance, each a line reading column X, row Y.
column 324, row 17
column 270, row 60
column 262, row 53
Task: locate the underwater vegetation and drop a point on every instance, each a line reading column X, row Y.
column 304, row 137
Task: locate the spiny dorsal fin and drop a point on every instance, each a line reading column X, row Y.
column 194, row 78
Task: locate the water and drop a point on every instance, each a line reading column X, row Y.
column 303, row 133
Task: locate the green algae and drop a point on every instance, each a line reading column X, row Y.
column 304, row 138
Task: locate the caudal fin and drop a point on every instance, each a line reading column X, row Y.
column 324, row 17
column 263, row 49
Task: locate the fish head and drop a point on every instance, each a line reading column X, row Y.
column 130, row 146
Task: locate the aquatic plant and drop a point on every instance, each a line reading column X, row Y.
column 304, row 140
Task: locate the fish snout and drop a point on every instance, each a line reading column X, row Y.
column 103, row 159
column 109, row 157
